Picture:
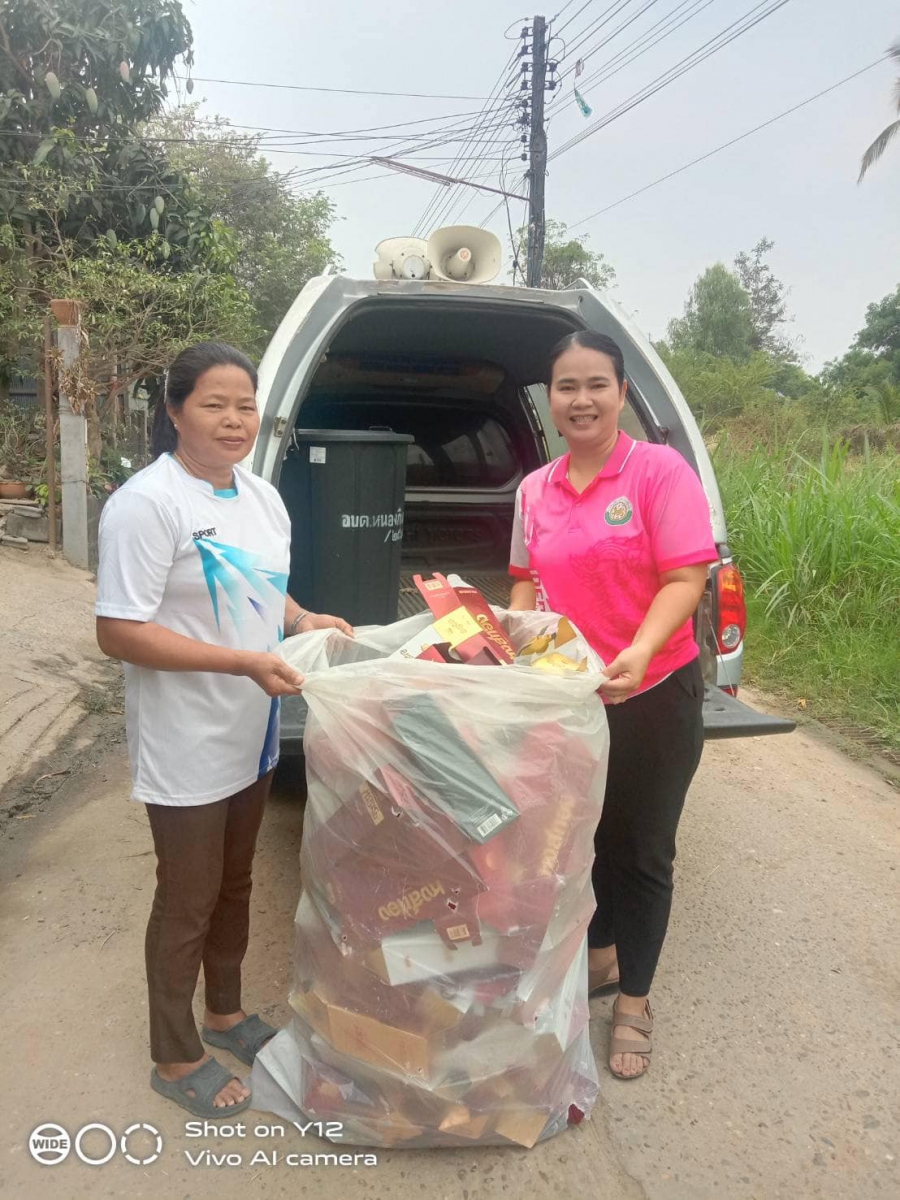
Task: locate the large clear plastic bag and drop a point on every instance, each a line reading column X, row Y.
column 440, row 984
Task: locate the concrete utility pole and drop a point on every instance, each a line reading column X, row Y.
column 73, row 442
column 538, row 167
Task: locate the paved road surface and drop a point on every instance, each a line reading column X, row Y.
column 775, row 1073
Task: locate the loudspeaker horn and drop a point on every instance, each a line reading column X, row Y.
column 401, row 258
column 464, row 254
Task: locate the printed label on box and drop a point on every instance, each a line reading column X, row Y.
column 368, row 799
column 317, row 454
column 457, row 626
column 486, row 826
column 458, row 933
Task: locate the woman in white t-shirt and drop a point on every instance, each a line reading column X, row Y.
column 192, row 598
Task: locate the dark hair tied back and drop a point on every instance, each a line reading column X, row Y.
column 589, row 340
column 181, row 379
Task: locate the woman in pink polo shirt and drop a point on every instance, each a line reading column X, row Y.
column 616, row 535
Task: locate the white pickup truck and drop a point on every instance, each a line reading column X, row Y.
column 458, row 367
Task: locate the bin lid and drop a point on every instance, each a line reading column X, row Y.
column 320, row 436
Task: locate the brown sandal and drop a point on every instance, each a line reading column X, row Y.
column 618, row 1045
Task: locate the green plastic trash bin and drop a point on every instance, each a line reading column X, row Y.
column 344, row 490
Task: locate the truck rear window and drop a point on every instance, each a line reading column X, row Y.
column 454, row 446
column 460, row 450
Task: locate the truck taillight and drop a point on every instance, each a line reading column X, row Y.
column 731, row 611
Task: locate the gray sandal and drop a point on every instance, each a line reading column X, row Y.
column 205, row 1082
column 244, row 1040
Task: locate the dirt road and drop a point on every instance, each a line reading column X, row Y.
column 775, row 1073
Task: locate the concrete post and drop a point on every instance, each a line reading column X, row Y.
column 73, row 457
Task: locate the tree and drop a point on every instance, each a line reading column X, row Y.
column 881, row 332
column 282, row 238
column 72, row 107
column 874, row 357
column 718, row 387
column 718, row 317
column 78, row 79
column 566, row 259
column 136, row 316
column 767, row 300
column 887, row 134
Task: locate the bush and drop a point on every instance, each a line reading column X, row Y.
column 817, row 542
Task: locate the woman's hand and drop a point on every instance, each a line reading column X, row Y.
column 625, row 673
column 323, row 621
column 270, row 672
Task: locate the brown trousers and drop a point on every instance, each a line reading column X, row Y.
column 201, row 913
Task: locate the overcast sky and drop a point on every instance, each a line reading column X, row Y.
column 837, row 245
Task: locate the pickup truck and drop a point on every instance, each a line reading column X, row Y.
column 458, row 367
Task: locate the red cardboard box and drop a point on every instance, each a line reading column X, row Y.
column 484, row 633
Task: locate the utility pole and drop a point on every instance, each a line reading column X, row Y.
column 538, row 168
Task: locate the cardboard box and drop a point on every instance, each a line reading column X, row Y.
column 445, row 771
column 377, row 1043
column 502, row 1047
column 521, row 1125
column 380, row 866
column 475, row 629
column 462, row 1122
column 419, row 953
column 395, row 1129
column 313, row 1009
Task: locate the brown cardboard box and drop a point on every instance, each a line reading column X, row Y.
column 313, row 1009
column 521, row 1125
column 380, row 1044
column 462, row 1122
column 395, row 1128
column 438, row 1014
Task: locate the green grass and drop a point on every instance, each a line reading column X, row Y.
column 818, row 544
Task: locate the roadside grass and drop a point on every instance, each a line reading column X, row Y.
column 818, row 543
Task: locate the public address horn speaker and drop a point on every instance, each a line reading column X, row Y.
column 401, row 258
column 464, row 254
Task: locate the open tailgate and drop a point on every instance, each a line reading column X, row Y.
column 725, row 716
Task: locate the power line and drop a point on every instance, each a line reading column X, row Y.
column 713, row 46
column 568, row 4
column 644, row 43
column 439, row 202
column 466, row 158
column 595, row 26
column 595, row 49
column 574, row 17
column 296, row 87
column 725, row 145
column 661, row 81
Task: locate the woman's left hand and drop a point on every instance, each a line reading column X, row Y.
column 324, row 621
column 625, row 674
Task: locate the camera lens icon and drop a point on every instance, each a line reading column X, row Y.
column 49, row 1144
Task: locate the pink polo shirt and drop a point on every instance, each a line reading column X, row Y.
column 597, row 556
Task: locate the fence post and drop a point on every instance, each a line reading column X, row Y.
column 73, row 453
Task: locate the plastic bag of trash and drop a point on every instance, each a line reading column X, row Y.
column 440, row 985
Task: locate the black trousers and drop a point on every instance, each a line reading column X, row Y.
column 655, row 744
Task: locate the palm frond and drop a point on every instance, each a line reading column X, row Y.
column 878, row 148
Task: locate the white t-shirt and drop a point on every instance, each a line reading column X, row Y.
column 213, row 567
